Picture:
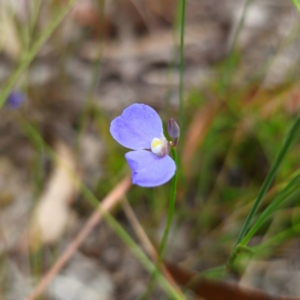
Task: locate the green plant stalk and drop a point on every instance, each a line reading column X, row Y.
column 179, row 24
column 296, row 4
column 279, row 199
column 112, row 222
column 91, row 89
column 284, row 149
column 167, row 229
column 182, row 30
column 229, row 63
column 171, row 210
column 34, row 13
column 29, row 56
column 172, row 65
column 88, row 103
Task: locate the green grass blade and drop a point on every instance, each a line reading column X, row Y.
column 281, row 197
column 287, row 144
column 278, row 239
column 29, row 56
column 296, row 4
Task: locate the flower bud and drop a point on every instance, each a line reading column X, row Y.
column 15, row 99
column 174, row 131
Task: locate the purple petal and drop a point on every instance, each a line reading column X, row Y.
column 148, row 169
column 138, row 125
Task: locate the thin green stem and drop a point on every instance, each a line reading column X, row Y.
column 167, row 229
column 180, row 21
column 296, row 3
column 287, row 144
column 182, row 27
column 91, row 89
column 34, row 13
column 171, row 210
column 229, row 63
column 29, row 56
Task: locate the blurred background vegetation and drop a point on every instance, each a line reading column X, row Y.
column 79, row 64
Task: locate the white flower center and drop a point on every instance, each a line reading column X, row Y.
column 159, row 146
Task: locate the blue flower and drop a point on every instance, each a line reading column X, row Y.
column 15, row 99
column 140, row 128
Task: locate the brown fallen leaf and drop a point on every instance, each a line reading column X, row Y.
column 216, row 290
